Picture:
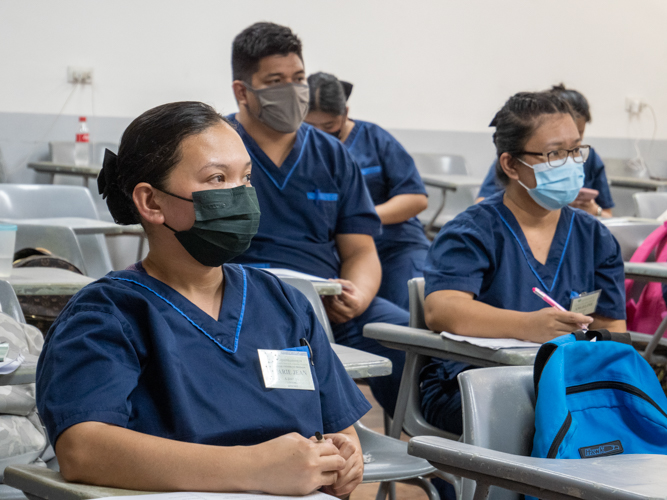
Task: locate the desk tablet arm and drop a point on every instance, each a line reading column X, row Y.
column 621, row 477
column 40, row 483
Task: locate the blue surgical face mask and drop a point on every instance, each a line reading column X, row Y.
column 556, row 187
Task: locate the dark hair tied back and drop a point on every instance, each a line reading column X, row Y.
column 518, row 119
column 148, row 152
column 575, row 99
column 107, row 185
column 328, row 94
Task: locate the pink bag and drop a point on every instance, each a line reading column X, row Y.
column 646, row 314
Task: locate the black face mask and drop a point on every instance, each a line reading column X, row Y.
column 337, row 133
column 225, row 222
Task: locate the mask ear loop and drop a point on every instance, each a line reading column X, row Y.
column 175, row 196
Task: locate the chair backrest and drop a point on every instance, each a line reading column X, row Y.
column 622, row 167
column 307, row 288
column 650, row 205
column 432, row 163
column 9, row 302
column 63, row 151
column 39, row 201
column 416, row 303
column 498, row 414
column 414, row 423
column 631, row 235
column 60, row 240
column 34, row 201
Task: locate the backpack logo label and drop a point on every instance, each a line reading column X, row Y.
column 601, row 450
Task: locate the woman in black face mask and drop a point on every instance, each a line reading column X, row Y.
column 159, row 377
column 392, row 180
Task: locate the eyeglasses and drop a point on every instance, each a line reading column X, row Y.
column 558, row 157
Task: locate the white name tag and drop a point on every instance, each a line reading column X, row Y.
column 586, row 303
column 286, row 369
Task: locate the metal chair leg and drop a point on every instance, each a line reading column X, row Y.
column 425, row 485
column 382, row 491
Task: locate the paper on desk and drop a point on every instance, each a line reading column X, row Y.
column 288, row 273
column 491, row 343
column 10, row 365
column 186, row 495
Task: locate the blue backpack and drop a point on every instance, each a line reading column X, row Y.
column 596, row 399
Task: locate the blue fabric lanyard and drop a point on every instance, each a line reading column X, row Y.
column 525, row 255
column 238, row 327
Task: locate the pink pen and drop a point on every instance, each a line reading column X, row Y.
column 553, row 303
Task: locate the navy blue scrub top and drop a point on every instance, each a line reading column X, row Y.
column 317, row 193
column 594, row 178
column 130, row 351
column 388, row 170
column 484, row 251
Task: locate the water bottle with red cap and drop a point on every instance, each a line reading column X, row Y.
column 81, row 146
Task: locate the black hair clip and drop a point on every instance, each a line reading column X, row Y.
column 347, row 88
column 108, row 173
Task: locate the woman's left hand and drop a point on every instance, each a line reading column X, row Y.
column 589, row 206
column 352, row 474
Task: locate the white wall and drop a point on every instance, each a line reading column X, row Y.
column 436, row 64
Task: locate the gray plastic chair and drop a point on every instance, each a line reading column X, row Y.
column 38, row 201
column 458, row 200
column 390, row 459
column 60, row 240
column 650, row 205
column 63, row 151
column 498, row 414
column 630, row 235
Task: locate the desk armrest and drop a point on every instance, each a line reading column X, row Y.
column 428, row 343
column 42, row 483
column 614, row 477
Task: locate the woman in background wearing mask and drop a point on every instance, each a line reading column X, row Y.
column 595, row 178
column 483, row 265
column 151, row 379
column 392, row 180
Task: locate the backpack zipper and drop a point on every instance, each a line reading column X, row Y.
column 553, row 449
column 594, row 386
column 621, row 386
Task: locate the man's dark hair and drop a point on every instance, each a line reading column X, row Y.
column 150, row 149
column 518, row 119
column 258, row 41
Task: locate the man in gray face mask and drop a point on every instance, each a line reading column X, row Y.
column 317, row 215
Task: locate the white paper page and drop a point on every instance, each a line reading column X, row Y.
column 288, row 273
column 494, row 344
column 11, row 365
column 186, row 495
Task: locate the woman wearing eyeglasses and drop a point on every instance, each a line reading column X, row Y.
column 595, row 196
column 483, row 265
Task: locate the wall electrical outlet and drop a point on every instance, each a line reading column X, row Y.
column 79, row 75
column 634, row 105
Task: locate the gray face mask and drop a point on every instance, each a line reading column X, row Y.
column 282, row 107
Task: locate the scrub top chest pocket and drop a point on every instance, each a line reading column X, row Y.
column 375, row 182
column 325, row 204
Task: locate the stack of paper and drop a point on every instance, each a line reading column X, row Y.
column 490, row 343
column 288, row 273
column 186, row 495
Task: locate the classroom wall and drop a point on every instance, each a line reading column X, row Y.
column 433, row 71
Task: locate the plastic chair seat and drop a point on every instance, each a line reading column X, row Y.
column 390, row 459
